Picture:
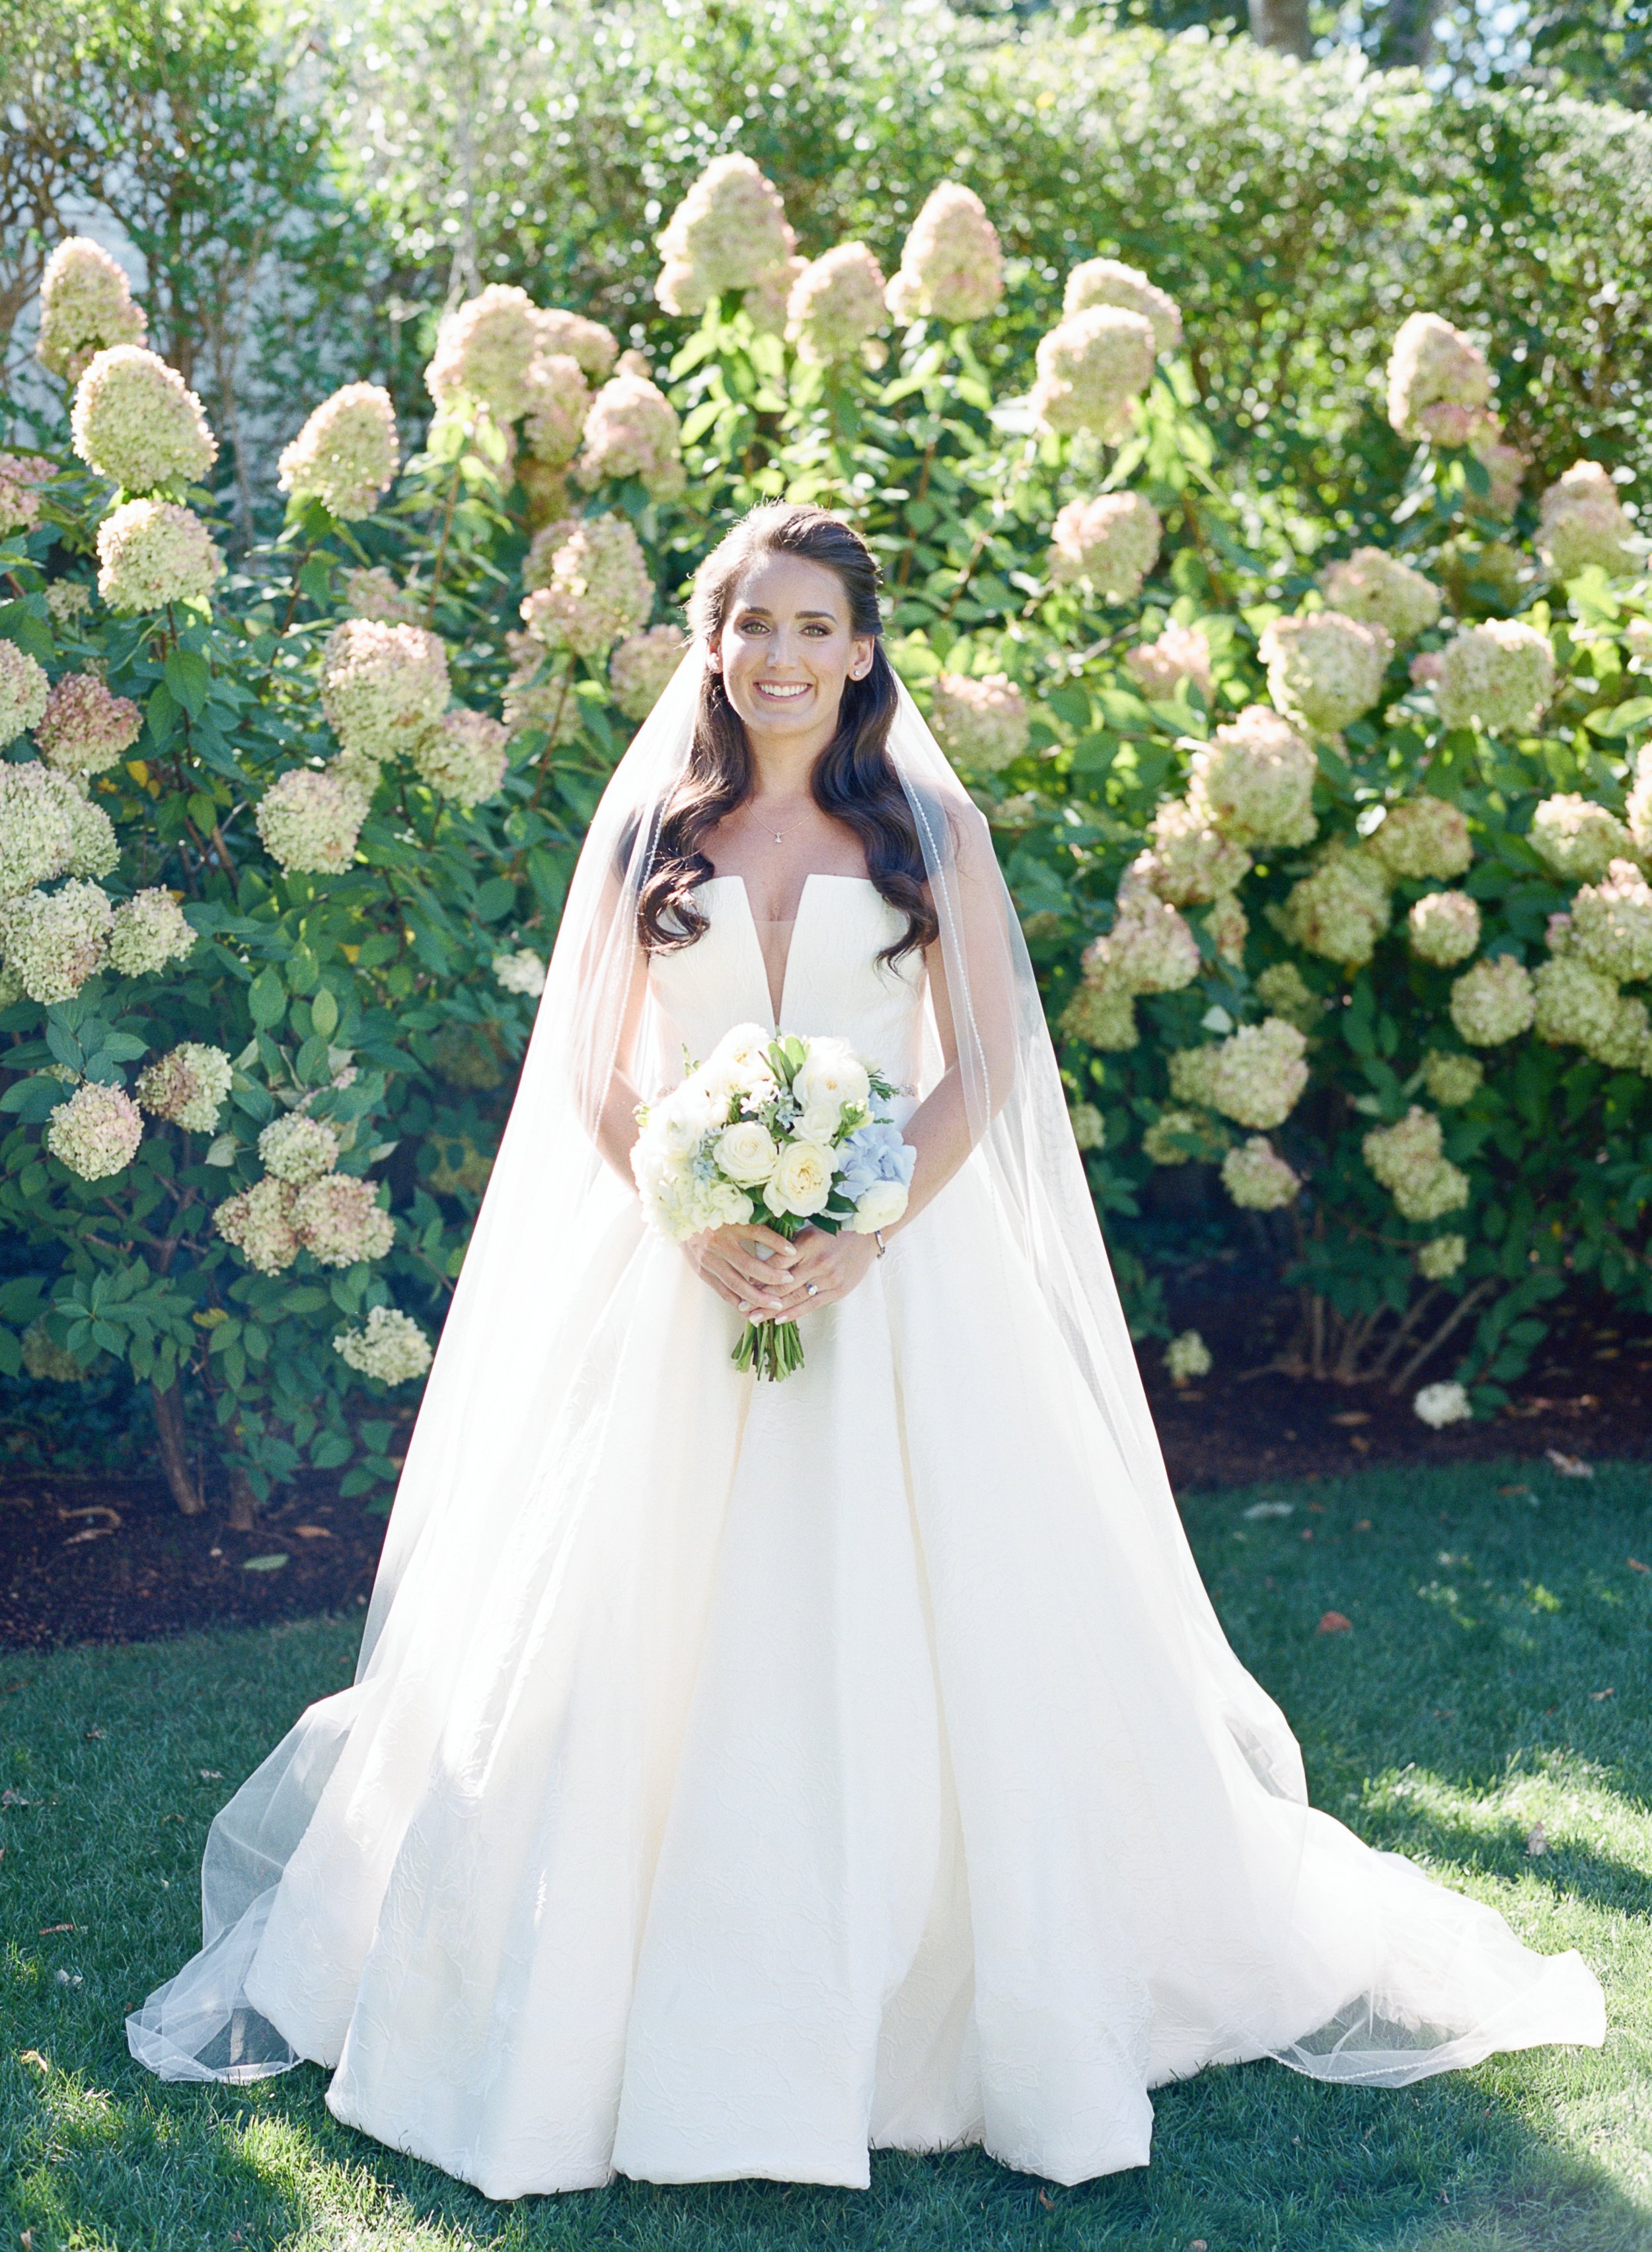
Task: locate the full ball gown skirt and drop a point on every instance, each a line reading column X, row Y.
column 830, row 1771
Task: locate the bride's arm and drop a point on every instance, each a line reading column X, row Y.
column 614, row 1128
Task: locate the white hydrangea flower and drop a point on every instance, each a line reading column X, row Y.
column 96, row 1132
column 1102, row 1017
column 1502, row 674
column 1159, row 667
column 1581, row 521
column 982, row 724
column 1324, row 670
column 372, row 593
column 1451, row 1078
column 346, row 455
column 522, row 972
column 558, row 406
column 188, row 1085
column 1381, row 590
column 1089, row 1127
column 1638, row 809
column 951, row 263
column 531, row 700
column 632, row 431
column 390, row 1347
column 836, row 305
column 21, row 478
column 1189, row 862
column 483, row 351
column 599, row 589
column 1506, row 467
column 1341, row 909
column 1439, row 1260
column 1149, row 949
column 24, row 690
column 308, row 820
column 1423, row 836
column 153, row 552
column 1575, row 1005
column 1187, row 1357
column 1285, row 992
column 1256, row 1177
column 730, row 231
column 465, row 757
column 383, row 687
column 561, row 334
column 149, row 932
column 1109, row 281
column 1578, row 839
column 1177, row 1136
column 640, row 666
column 68, row 599
column 1443, row 928
column 1409, row 1160
column 94, row 848
column 1229, row 927
column 1440, row 1404
column 85, row 307
column 259, row 1224
column 1438, row 384
column 136, row 422
column 1611, row 923
column 1092, row 368
column 1254, row 781
column 297, row 1148
column 38, row 825
column 1494, row 1001
column 52, row 942
column 1256, row 1076
column 338, row 1220
column 1110, row 543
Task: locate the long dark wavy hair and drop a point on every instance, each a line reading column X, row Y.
column 853, row 779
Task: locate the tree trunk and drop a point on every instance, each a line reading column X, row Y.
column 1282, row 24
column 171, row 1433
column 243, row 1508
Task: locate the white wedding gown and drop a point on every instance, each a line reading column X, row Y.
column 828, row 1771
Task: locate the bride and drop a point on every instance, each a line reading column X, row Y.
column 739, row 1777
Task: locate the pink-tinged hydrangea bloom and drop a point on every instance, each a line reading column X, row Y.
column 1409, row 1160
column 1189, row 862
column 1108, row 281
column 599, row 589
column 68, row 599
column 84, row 728
column 483, row 351
column 346, row 455
column 151, row 932
column 1229, row 927
column 151, row 553
column 836, row 305
column 24, row 692
column 1444, row 929
column 1423, row 836
column 559, row 404
column 1102, row 1017
column 1341, row 910
column 372, row 593
column 21, row 477
column 1149, row 949
column 1110, row 543
column 1092, row 369
column 980, row 724
column 632, row 431
column 309, row 821
column 729, row 233
column 1254, row 781
column 338, row 1220
column 1501, row 673
column 1180, row 653
column 1577, row 838
column 1452, row 1078
column 188, row 1085
column 1380, row 590
column 1324, row 670
column 383, row 687
column 560, row 333
column 951, row 263
column 135, row 421
column 1581, row 521
column 642, row 666
column 390, row 1347
column 86, row 308
column 1611, row 923
column 38, row 825
column 465, row 757
column 1438, row 384
column 1506, row 467
column 537, row 696
column 522, row 972
column 1256, row 1177
column 96, row 1132
column 296, row 1148
column 53, row 942
column 259, row 1223
column 542, row 552
column 1493, row 1002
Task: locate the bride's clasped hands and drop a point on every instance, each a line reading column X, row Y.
column 757, row 1271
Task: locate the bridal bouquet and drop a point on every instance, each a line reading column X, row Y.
column 770, row 1127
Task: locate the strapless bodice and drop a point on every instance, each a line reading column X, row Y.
column 835, row 984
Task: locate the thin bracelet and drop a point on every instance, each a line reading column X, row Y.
column 877, row 1238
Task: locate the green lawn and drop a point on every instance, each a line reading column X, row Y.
column 1467, row 1706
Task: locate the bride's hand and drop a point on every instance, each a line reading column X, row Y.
column 728, row 1259
column 833, row 1263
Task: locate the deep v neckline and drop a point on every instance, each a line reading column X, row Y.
column 777, row 1017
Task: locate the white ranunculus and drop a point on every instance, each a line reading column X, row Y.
column 680, row 1121
column 819, row 1124
column 882, row 1205
column 801, row 1182
column 831, row 1073
column 746, row 1153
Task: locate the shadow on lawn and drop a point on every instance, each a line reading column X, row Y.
column 1563, row 1867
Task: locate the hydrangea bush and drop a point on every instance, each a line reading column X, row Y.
column 1333, row 863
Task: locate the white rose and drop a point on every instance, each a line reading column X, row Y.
column 678, row 1123
column 831, row 1073
column 801, row 1182
column 819, row 1124
column 742, row 1050
column 881, row 1206
column 746, row 1153
column 731, row 1207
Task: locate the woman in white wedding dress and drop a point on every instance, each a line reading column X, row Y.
column 740, row 1776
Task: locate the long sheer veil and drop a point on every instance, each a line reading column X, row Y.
column 551, row 1207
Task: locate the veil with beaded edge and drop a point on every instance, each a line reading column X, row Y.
column 548, row 1221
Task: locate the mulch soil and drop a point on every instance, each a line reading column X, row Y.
column 97, row 1559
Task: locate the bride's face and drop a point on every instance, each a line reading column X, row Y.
column 786, row 648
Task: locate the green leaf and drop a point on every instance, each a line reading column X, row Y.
column 267, row 998
column 188, row 676
column 1622, row 720
column 324, row 1013
column 273, row 1562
